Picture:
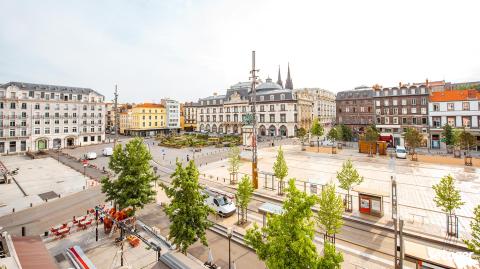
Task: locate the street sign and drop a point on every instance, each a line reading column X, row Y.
column 85, row 163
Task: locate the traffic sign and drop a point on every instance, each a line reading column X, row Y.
column 85, row 163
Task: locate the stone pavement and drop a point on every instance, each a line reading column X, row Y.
column 414, row 182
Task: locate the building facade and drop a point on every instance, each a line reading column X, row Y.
column 39, row 117
column 172, row 109
column 147, row 119
column 398, row 108
column 457, row 108
column 355, row 108
column 324, row 106
column 280, row 111
column 190, row 116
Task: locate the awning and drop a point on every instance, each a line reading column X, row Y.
column 385, row 137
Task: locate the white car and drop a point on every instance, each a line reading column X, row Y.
column 401, row 152
column 107, row 152
column 91, row 155
column 220, row 203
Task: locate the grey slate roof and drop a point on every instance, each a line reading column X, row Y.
column 49, row 88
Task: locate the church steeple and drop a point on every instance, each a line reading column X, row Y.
column 279, row 80
column 288, row 82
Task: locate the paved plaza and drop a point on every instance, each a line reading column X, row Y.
column 414, row 182
column 37, row 180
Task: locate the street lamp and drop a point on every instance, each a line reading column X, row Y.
column 229, row 235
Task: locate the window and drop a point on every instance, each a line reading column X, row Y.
column 282, row 107
column 424, row 101
column 12, row 105
column 37, row 130
column 395, row 120
column 423, row 110
column 272, row 117
column 414, row 121
column 436, row 121
column 450, row 106
column 404, row 91
column 414, row 110
column 377, row 102
column 13, row 146
column 385, row 102
column 385, row 111
column 395, row 111
column 272, row 108
column 85, row 139
column 394, row 102
column 92, row 138
column 282, row 96
column 395, row 92
column 404, row 102
column 24, row 105
column 404, row 111
column 65, row 129
column 220, row 118
column 436, row 107
column 262, row 98
column 414, row 102
column 466, row 121
column 12, row 132
column 424, row 121
column 46, row 130
column 412, row 91
column 272, row 97
column 262, row 118
column 23, row 145
column 387, row 121
column 283, row 118
column 378, row 111
column 451, row 121
column 57, row 130
column 404, row 120
column 466, row 106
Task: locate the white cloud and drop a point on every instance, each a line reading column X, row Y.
column 189, row 49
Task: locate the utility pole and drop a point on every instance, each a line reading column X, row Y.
column 397, row 227
column 117, row 116
column 253, row 73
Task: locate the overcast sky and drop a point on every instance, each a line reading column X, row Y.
column 190, row 49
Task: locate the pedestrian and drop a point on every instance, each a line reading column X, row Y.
column 188, row 158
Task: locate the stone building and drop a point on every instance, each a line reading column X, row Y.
column 37, row 117
column 397, row 108
column 190, row 116
column 355, row 108
column 324, row 107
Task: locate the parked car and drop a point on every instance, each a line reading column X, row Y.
column 220, row 203
column 401, row 152
column 91, row 155
column 107, row 152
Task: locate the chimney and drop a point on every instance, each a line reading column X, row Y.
column 214, row 94
column 400, row 84
column 426, row 82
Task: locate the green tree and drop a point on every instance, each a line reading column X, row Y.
column 317, row 130
column 346, row 132
column 280, row 169
column 288, row 241
column 447, row 198
column 331, row 258
column 330, row 211
column 301, row 133
column 371, row 136
column 334, row 134
column 244, row 196
column 133, row 186
column 233, row 164
column 474, row 244
column 413, row 138
column 447, row 133
column 348, row 177
column 466, row 140
column 187, row 211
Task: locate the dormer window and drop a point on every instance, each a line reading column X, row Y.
column 282, row 96
column 271, row 97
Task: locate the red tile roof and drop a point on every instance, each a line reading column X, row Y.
column 455, row 95
column 150, row 105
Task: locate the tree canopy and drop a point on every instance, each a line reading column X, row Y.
column 301, row 133
column 244, row 195
column 348, row 176
column 331, row 258
column 474, row 244
column 413, row 138
column 316, row 129
column 133, row 186
column 289, row 236
column 187, row 211
column 465, row 139
column 371, row 134
column 334, row 134
column 330, row 211
column 280, row 168
column 447, row 133
column 346, row 132
column 447, row 197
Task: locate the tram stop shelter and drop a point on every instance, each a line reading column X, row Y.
column 316, row 185
column 370, row 200
column 269, row 208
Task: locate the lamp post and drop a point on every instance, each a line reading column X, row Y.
column 229, row 235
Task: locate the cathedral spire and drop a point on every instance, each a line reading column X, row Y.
column 279, row 80
column 288, row 82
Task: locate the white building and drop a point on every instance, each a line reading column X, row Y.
column 457, row 108
column 35, row 117
column 172, row 108
column 324, row 107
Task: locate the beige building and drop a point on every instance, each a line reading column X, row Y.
column 146, row 119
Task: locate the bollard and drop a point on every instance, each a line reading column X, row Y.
column 46, row 200
column 24, row 232
column 13, row 210
column 59, row 195
column 31, row 204
column 45, row 233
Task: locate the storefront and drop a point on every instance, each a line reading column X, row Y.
column 370, row 201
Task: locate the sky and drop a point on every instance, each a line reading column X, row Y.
column 186, row 50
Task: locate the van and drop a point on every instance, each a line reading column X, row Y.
column 401, row 152
column 220, row 203
column 91, row 155
column 107, row 152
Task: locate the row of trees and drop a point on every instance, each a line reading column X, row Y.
column 460, row 138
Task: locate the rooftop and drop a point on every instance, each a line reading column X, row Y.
column 45, row 87
column 455, row 95
column 149, row 105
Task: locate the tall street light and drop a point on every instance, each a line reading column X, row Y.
column 229, row 235
column 253, row 73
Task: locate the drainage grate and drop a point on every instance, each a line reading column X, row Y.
column 60, row 258
column 48, row 195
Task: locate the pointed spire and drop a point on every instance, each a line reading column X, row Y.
column 279, row 80
column 288, row 82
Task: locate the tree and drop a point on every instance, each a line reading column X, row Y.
column 187, row 211
column 317, row 130
column 348, row 177
column 233, row 164
column 448, row 134
column 333, row 135
column 346, row 132
column 465, row 140
column 413, row 138
column 132, row 188
column 329, row 216
column 243, row 196
column 447, row 198
column 474, row 244
column 288, row 241
column 301, row 133
column 371, row 136
column 331, row 258
column 280, row 169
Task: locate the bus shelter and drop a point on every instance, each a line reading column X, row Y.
column 316, row 185
column 370, row 200
column 269, row 208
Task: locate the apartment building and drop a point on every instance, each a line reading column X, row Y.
column 147, row 119
column 355, row 108
column 38, row 117
column 324, row 106
column 172, row 109
column 457, row 108
column 397, row 108
column 190, row 116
